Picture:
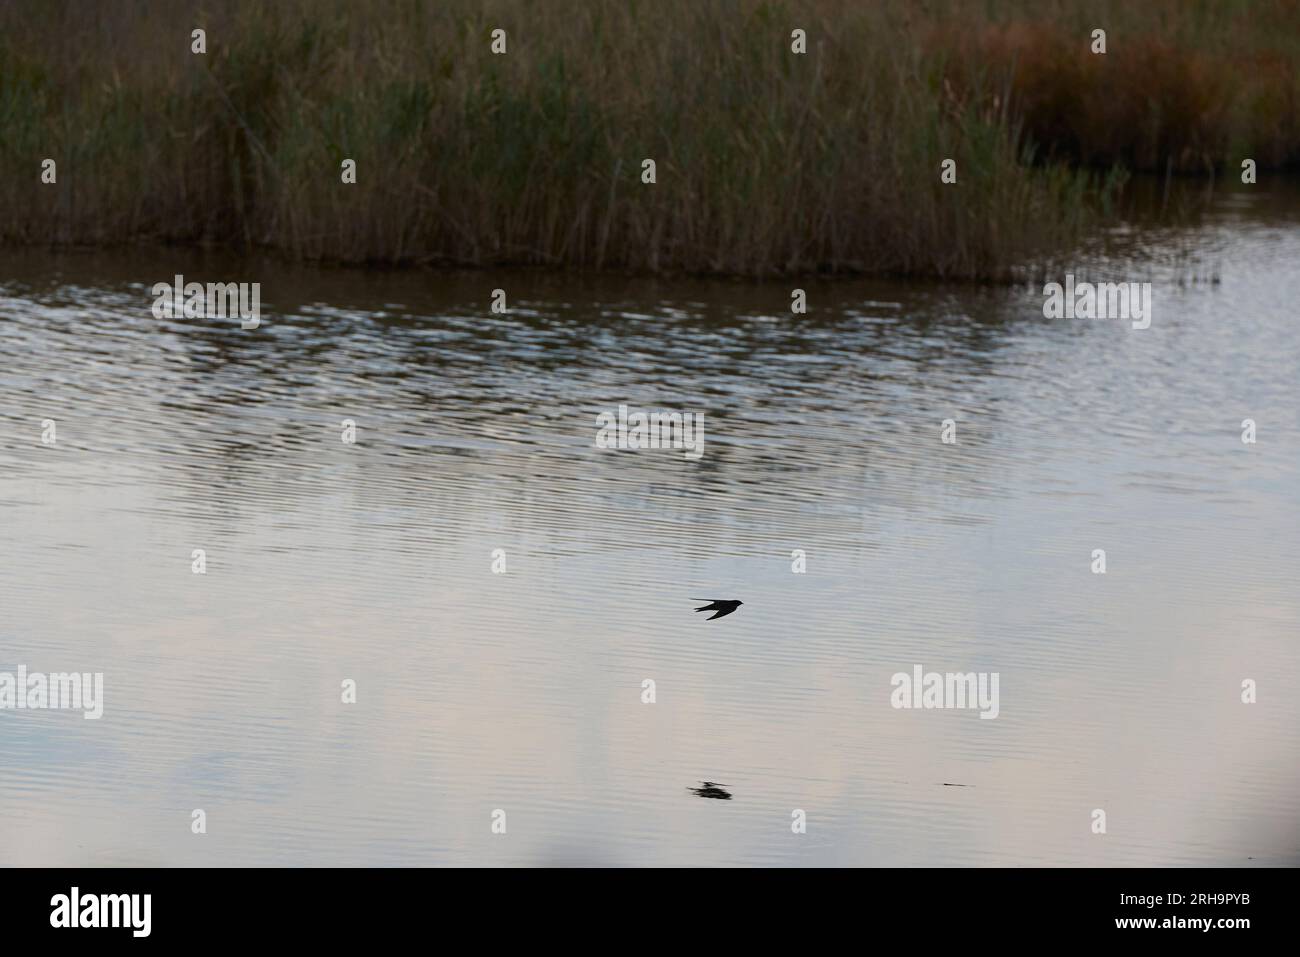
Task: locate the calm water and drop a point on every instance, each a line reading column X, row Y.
column 522, row 691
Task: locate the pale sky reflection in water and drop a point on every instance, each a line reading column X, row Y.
column 522, row 691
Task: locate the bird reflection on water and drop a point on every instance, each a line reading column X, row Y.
column 711, row 790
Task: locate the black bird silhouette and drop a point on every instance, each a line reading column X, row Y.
column 720, row 606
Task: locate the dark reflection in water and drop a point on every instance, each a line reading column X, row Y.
column 708, row 789
column 500, row 590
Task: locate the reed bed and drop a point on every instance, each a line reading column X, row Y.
column 767, row 162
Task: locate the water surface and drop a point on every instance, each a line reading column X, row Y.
column 522, row 691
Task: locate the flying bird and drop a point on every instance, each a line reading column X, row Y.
column 719, row 606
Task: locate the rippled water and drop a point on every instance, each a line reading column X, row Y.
column 522, row 691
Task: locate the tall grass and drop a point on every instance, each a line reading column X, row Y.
column 767, row 162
